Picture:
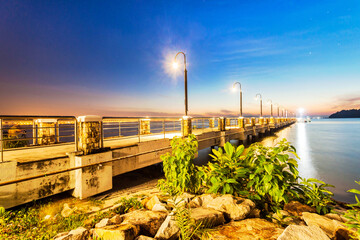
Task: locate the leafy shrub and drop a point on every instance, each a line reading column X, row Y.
column 267, row 175
column 178, row 166
column 225, row 174
column 272, row 175
column 315, row 194
column 353, row 215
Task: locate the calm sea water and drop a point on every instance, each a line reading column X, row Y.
column 329, row 150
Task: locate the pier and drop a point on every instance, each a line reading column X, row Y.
column 44, row 155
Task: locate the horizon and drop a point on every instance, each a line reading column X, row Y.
column 95, row 58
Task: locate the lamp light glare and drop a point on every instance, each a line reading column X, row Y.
column 175, row 65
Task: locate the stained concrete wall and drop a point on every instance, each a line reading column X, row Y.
column 83, row 181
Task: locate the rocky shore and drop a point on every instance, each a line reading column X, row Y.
column 217, row 216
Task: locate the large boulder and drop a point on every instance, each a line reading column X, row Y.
column 142, row 237
column 329, row 226
column 296, row 208
column 80, row 233
column 104, row 222
column 294, row 232
column 150, row 202
column 233, row 208
column 207, row 217
column 169, row 229
column 248, row 229
column 148, row 221
column 118, row 232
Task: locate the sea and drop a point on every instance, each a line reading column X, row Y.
column 329, row 150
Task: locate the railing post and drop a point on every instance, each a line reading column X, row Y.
column 57, row 132
column 211, row 123
column 76, row 135
column 145, row 126
column 241, row 122
column 253, row 121
column 139, row 130
column 101, row 134
column 89, row 134
column 1, row 140
column 261, row 121
column 221, row 124
column 46, row 131
column 34, row 133
column 186, row 128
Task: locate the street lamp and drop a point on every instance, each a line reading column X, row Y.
column 271, row 107
column 278, row 106
column 234, row 85
column 175, row 65
column 258, row 96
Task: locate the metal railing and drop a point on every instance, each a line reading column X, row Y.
column 27, row 132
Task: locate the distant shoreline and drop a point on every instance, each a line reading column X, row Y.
column 353, row 113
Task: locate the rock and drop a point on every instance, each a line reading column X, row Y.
column 195, row 202
column 119, row 232
column 255, row 213
column 159, row 207
column 149, row 204
column 142, row 237
column 168, row 229
column 208, row 217
column 80, row 233
column 248, row 229
column 336, row 217
column 296, row 208
column 60, row 235
column 329, row 226
column 67, row 211
column 104, row 222
column 294, row 232
column 233, row 208
column 117, row 219
column 148, row 221
column 183, row 199
column 344, row 234
column 284, row 217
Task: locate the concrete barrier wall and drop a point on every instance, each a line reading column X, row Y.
column 98, row 178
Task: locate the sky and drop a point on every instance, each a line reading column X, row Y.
column 113, row 58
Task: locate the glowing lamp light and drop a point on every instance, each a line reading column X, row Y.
column 175, row 65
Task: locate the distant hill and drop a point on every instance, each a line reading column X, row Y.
column 353, row 113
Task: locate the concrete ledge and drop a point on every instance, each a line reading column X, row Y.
column 94, row 179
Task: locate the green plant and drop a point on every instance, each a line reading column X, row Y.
column 180, row 173
column 225, row 174
column 128, row 204
column 353, row 215
column 316, row 195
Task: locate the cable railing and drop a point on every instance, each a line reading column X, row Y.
column 31, row 132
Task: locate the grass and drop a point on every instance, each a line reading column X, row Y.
column 44, row 220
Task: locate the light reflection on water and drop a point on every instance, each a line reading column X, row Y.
column 328, row 150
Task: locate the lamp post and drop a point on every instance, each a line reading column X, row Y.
column 277, row 105
column 234, row 85
column 260, row 97
column 271, row 107
column 185, row 80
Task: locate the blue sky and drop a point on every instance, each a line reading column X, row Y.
column 112, row 58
